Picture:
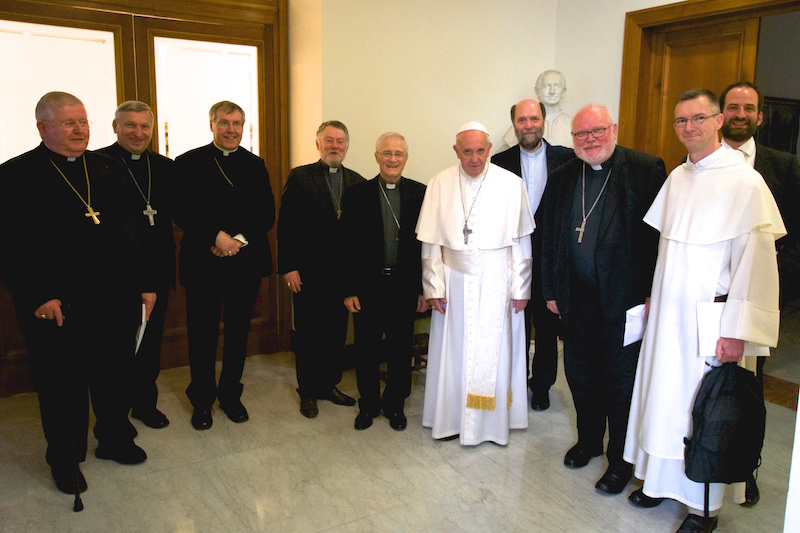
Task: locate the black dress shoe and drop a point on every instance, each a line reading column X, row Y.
column 308, row 407
column 151, row 418
column 449, row 437
column 615, row 479
column 540, row 401
column 640, row 499
column 63, row 476
column 751, row 493
column 397, row 420
column 338, row 397
column 126, row 453
column 577, row 457
column 201, row 419
column 364, row 419
column 236, row 412
column 698, row 524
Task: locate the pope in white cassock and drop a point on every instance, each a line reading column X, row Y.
column 476, row 270
column 718, row 223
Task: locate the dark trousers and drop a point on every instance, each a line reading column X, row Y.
column 147, row 361
column 320, row 324
column 89, row 353
column 545, row 359
column 388, row 309
column 233, row 298
column 600, row 373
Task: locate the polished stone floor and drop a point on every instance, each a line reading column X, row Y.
column 282, row 472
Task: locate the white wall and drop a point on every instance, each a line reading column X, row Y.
column 422, row 68
column 589, row 49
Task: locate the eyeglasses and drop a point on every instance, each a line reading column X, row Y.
column 388, row 153
column 237, row 124
column 597, row 133
column 696, row 120
column 70, row 124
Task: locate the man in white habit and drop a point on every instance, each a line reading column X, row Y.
column 718, row 223
column 474, row 226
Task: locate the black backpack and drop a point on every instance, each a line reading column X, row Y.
column 728, row 420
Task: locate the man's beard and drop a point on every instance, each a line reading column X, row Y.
column 739, row 134
column 530, row 144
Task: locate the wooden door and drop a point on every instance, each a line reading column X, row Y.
column 709, row 56
column 134, row 25
column 681, row 46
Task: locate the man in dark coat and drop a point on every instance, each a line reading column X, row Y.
column 598, row 258
column 226, row 211
column 383, row 279
column 534, row 160
column 75, row 279
column 149, row 180
column 741, row 104
column 309, row 255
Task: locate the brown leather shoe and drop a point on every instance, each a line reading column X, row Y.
column 338, row 397
column 308, row 407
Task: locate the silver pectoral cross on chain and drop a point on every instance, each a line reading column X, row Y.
column 466, row 231
column 149, row 212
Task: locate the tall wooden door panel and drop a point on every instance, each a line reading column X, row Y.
column 134, row 26
column 711, row 57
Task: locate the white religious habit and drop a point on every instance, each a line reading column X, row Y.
column 476, row 254
column 718, row 223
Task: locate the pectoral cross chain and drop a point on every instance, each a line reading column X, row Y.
column 92, row 213
column 149, row 212
column 466, row 231
column 580, row 230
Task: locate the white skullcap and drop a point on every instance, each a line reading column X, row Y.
column 472, row 125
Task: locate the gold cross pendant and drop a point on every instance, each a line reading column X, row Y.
column 93, row 214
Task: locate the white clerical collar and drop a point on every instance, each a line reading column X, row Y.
column 387, row 185
column 224, row 151
column 72, row 159
column 136, row 157
column 333, row 170
column 709, row 159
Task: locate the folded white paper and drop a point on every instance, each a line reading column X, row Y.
column 239, row 237
column 709, row 315
column 140, row 330
column 634, row 324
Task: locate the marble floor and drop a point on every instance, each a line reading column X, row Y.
column 282, row 472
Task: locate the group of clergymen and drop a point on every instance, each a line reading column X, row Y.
column 569, row 250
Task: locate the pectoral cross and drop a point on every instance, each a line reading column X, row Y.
column 149, row 212
column 92, row 213
column 338, row 214
column 580, row 230
column 466, row 231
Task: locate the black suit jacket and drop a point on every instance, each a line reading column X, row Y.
column 208, row 204
column 362, row 230
column 308, row 232
column 510, row 160
column 626, row 249
column 781, row 172
column 54, row 251
column 157, row 242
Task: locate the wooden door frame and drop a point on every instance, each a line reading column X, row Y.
column 641, row 29
column 117, row 16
